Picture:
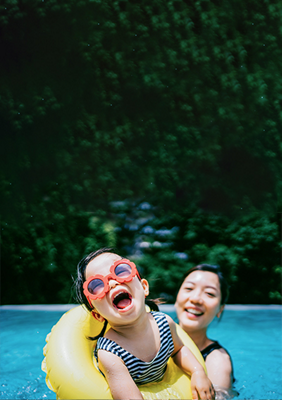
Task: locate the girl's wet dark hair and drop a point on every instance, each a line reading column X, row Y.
column 224, row 287
column 78, row 284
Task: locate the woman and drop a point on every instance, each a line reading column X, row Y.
column 202, row 297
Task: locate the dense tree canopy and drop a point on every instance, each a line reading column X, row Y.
column 120, row 120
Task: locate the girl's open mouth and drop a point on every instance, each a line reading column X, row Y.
column 122, row 300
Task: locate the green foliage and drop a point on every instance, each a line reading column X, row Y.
column 247, row 250
column 39, row 260
column 175, row 103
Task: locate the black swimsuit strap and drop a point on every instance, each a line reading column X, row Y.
column 215, row 346
column 211, row 347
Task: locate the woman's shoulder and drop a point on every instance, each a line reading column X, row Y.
column 210, row 347
column 219, row 354
column 219, row 367
column 214, row 352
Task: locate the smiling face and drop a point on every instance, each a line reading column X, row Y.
column 124, row 300
column 198, row 301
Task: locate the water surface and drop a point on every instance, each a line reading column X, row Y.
column 252, row 337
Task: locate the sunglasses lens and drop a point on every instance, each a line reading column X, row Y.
column 96, row 286
column 123, row 270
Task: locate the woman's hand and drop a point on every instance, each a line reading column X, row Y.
column 201, row 386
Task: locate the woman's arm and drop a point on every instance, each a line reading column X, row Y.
column 219, row 368
column 201, row 386
column 121, row 385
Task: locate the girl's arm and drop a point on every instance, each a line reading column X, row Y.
column 121, row 385
column 201, row 386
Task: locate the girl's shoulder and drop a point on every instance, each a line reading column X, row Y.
column 158, row 315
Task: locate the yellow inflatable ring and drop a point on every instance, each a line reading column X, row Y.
column 72, row 372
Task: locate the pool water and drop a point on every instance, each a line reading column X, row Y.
column 252, row 337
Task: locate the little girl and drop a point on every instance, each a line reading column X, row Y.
column 136, row 349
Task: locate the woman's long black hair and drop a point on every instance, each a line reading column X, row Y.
column 78, row 284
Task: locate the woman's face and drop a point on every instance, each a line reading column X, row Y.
column 198, row 300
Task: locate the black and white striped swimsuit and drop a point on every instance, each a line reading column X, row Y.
column 142, row 371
